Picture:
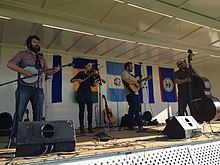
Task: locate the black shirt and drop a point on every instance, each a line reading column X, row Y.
column 182, row 74
column 84, row 92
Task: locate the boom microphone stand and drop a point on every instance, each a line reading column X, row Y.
column 37, row 113
column 145, row 86
column 101, row 135
column 140, row 109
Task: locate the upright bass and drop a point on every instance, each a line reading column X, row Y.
column 204, row 107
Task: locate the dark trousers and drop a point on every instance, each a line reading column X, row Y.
column 81, row 112
column 183, row 101
column 134, row 111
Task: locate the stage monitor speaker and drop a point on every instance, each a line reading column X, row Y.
column 180, row 127
column 40, row 137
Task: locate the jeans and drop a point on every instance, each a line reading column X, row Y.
column 81, row 112
column 134, row 111
column 23, row 95
column 183, row 100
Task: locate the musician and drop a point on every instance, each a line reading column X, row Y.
column 132, row 98
column 182, row 79
column 84, row 94
column 29, row 92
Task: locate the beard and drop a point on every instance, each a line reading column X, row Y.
column 35, row 48
column 130, row 70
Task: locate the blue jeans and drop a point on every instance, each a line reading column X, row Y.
column 134, row 111
column 23, row 95
column 183, row 100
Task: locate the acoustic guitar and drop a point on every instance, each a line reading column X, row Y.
column 108, row 116
column 134, row 88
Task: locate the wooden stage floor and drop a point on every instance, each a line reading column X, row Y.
column 121, row 141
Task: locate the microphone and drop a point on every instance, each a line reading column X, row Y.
column 184, row 61
column 99, row 67
column 95, row 65
column 140, row 63
column 103, row 81
column 41, row 54
column 190, row 52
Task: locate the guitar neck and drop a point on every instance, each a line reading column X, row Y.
column 146, row 78
column 62, row 66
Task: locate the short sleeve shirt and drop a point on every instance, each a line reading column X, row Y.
column 125, row 75
column 182, row 74
column 26, row 58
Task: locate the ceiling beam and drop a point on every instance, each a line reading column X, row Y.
column 53, row 39
column 175, row 11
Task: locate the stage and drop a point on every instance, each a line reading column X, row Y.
column 130, row 147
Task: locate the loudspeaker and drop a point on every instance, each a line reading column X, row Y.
column 40, row 137
column 180, row 127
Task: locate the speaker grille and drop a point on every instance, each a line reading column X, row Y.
column 45, row 136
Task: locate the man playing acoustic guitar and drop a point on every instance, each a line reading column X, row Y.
column 132, row 98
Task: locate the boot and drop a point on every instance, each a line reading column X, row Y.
column 82, row 130
column 90, row 129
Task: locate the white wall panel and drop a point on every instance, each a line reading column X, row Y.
column 69, row 110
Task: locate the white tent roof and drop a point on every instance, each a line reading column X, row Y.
column 150, row 31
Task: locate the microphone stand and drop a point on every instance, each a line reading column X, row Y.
column 38, row 65
column 101, row 135
column 140, row 106
column 138, row 94
column 100, row 105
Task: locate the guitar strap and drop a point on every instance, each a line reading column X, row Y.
column 126, row 84
column 37, row 62
column 129, row 88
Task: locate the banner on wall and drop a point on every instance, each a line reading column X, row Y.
column 79, row 66
column 138, row 73
column 115, row 86
column 57, row 80
column 167, row 86
column 146, row 92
